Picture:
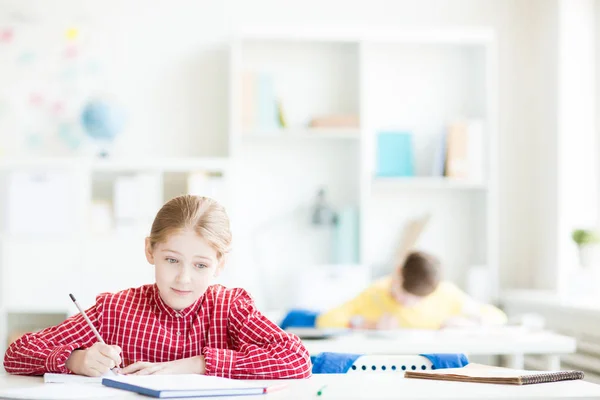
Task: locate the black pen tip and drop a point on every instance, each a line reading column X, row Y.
column 72, row 297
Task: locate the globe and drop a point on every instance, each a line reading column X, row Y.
column 102, row 120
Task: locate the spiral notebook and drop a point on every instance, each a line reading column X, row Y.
column 487, row 374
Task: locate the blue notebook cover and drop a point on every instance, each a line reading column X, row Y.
column 183, row 386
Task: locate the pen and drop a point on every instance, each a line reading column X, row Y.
column 88, row 322
column 87, row 319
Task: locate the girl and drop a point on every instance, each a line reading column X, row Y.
column 181, row 324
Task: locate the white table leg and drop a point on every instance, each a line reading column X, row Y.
column 551, row 362
column 515, row 361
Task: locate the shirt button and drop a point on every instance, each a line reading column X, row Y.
column 178, row 315
column 178, row 333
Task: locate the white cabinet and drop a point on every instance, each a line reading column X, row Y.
column 78, row 226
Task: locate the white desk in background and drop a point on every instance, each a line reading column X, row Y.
column 512, row 342
column 374, row 387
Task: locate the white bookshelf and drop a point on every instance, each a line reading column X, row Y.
column 417, row 79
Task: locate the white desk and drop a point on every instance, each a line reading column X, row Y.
column 385, row 386
column 513, row 342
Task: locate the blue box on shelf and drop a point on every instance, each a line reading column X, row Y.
column 395, row 154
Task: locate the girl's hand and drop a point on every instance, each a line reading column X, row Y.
column 192, row 365
column 94, row 361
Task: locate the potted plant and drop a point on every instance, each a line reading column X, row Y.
column 588, row 243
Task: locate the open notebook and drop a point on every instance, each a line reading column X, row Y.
column 72, row 378
column 487, row 374
column 72, row 391
column 177, row 386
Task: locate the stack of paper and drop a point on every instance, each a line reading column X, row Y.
column 59, row 392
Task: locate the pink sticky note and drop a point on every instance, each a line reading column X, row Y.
column 6, row 35
column 57, row 107
column 36, row 99
column 71, row 52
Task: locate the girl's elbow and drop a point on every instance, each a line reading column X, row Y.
column 305, row 371
column 7, row 366
column 10, row 368
column 13, row 363
column 8, row 361
column 303, row 366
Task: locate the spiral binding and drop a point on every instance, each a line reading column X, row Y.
column 551, row 377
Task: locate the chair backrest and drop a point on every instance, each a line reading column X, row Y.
column 390, row 364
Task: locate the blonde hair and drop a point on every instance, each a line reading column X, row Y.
column 203, row 215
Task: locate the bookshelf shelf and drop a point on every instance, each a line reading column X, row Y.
column 8, row 164
column 164, row 165
column 435, row 183
column 116, row 165
column 304, row 133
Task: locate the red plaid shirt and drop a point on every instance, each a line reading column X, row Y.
column 236, row 340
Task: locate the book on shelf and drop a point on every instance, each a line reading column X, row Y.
column 335, row 121
column 260, row 107
column 395, row 154
column 465, row 158
column 439, row 157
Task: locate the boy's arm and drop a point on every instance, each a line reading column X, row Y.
column 474, row 311
column 342, row 316
column 48, row 350
column 260, row 349
column 485, row 314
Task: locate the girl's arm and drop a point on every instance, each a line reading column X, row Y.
column 261, row 350
column 49, row 349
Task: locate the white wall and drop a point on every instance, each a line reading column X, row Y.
column 565, row 156
column 165, row 63
column 577, row 157
column 543, row 99
column 169, row 68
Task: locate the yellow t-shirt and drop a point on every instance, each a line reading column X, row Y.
column 445, row 302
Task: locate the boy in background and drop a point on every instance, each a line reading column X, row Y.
column 413, row 297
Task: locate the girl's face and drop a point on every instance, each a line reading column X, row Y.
column 185, row 266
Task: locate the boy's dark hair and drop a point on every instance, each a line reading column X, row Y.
column 420, row 273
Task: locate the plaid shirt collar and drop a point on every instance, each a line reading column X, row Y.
column 163, row 308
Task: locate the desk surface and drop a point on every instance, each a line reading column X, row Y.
column 498, row 341
column 382, row 386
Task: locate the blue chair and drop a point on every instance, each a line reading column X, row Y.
column 390, row 364
column 338, row 363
